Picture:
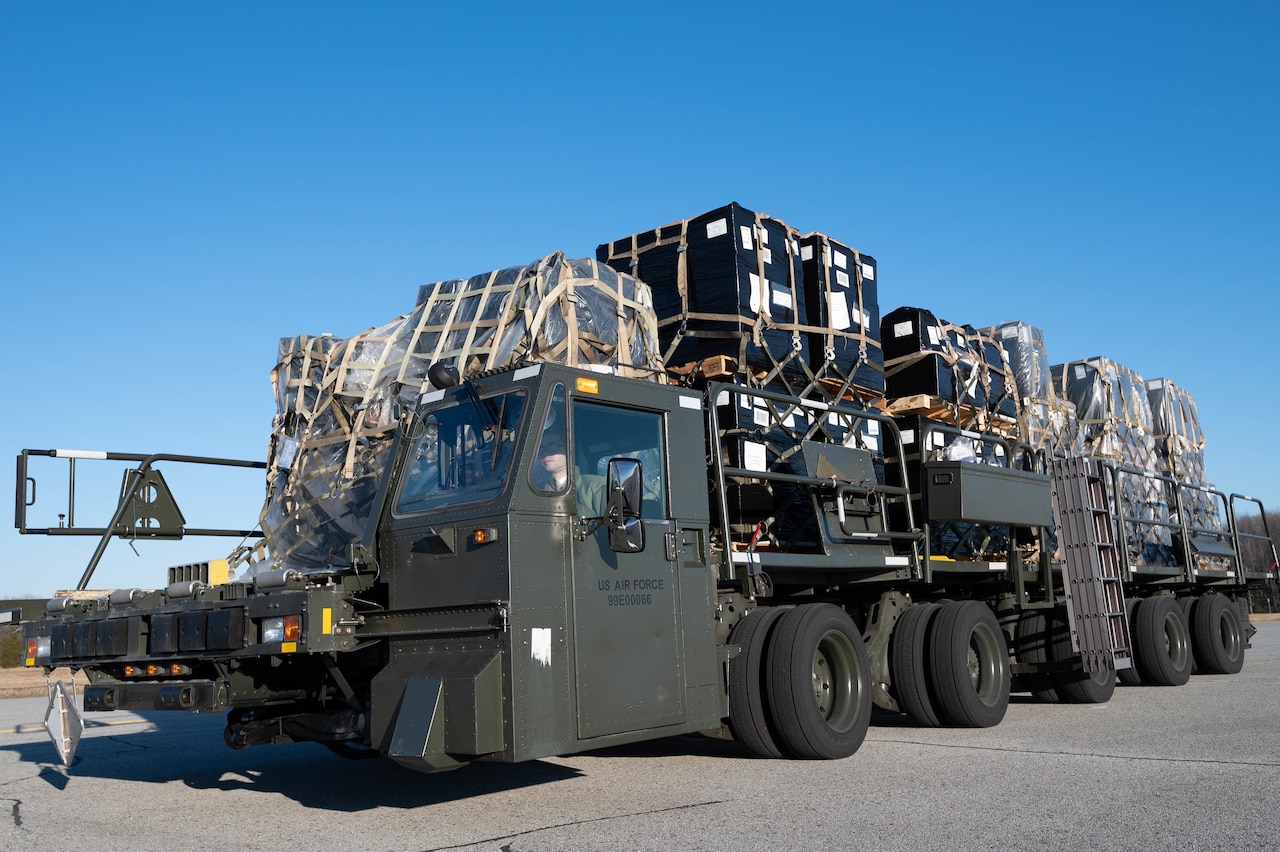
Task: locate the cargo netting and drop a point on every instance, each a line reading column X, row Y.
column 336, row 398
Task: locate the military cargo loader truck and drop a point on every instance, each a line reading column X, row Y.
column 562, row 559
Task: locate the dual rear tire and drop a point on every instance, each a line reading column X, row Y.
column 950, row 665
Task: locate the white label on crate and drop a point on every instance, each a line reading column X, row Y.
column 868, row 272
column 837, row 310
column 782, row 297
column 744, row 401
column 902, row 329
column 793, row 421
column 866, row 320
column 1079, row 371
column 753, row 456
column 873, row 427
column 754, row 299
column 934, row 337
column 840, row 260
column 747, row 242
column 718, row 228
column 842, row 278
column 908, row 436
column 761, row 417
column 690, row 402
column 722, row 398
column 768, row 255
column 806, row 253
column 764, row 236
column 935, row 441
column 871, row 442
column 833, row 419
column 540, row 645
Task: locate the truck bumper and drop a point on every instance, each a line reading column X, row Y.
column 197, row 696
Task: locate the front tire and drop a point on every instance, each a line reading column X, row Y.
column 819, row 679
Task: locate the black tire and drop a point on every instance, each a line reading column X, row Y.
column 1188, row 605
column 1076, row 686
column 1161, row 642
column 819, row 678
column 1219, row 637
column 1031, row 644
column 969, row 665
column 1129, row 675
column 748, row 711
column 908, row 666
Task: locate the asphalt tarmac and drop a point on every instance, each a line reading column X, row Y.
column 1192, row 767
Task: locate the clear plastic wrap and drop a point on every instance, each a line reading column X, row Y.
column 336, row 397
column 1116, row 424
column 1180, row 447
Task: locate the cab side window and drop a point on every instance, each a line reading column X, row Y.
column 602, row 432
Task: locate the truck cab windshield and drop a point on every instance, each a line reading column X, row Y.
column 461, row 454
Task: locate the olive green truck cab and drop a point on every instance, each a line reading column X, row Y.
column 561, row 560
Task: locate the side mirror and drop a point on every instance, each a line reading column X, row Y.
column 623, row 483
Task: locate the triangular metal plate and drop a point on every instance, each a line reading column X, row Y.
column 63, row 721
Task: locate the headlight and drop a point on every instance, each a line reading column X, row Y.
column 38, row 651
column 281, row 628
column 273, row 629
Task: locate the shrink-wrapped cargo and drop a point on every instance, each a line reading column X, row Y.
column 336, row 398
column 1180, row 447
column 1116, row 425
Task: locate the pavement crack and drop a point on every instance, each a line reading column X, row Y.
column 17, row 812
column 1052, row 752
column 506, row 847
column 131, row 743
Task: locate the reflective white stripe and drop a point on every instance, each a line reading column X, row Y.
column 896, row 560
column 748, row 558
column 690, row 402
column 80, row 454
column 432, row 396
column 526, row 372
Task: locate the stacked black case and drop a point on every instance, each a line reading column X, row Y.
column 723, row 252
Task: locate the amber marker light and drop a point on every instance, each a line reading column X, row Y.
column 292, row 627
column 586, row 385
column 485, row 535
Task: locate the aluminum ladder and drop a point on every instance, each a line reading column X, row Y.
column 1091, row 570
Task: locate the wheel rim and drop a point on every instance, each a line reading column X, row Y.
column 1229, row 628
column 1175, row 640
column 984, row 664
column 836, row 686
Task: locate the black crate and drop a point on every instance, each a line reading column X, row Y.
column 732, row 278
column 841, row 298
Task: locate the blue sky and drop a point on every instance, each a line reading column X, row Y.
column 185, row 183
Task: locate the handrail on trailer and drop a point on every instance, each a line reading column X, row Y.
column 713, row 391
column 113, row 528
column 1122, row 521
column 1236, row 534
